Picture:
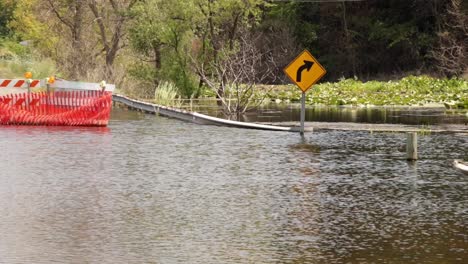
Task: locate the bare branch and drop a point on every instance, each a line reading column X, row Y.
column 57, row 14
column 99, row 20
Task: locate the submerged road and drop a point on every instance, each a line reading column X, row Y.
column 198, row 118
column 193, row 117
column 349, row 126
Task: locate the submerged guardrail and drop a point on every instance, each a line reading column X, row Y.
column 193, row 117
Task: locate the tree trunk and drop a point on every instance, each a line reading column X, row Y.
column 111, row 47
column 77, row 56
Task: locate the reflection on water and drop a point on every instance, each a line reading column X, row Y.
column 153, row 190
column 396, row 115
column 363, row 115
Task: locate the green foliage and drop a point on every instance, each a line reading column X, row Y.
column 16, row 59
column 168, row 35
column 9, row 48
column 144, row 72
column 161, row 33
column 166, row 94
column 27, row 25
column 17, row 67
column 410, row 91
column 6, row 16
column 366, row 38
column 146, row 31
column 177, row 70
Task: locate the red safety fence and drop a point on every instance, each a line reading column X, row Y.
column 60, row 108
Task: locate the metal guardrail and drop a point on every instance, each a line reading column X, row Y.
column 194, row 117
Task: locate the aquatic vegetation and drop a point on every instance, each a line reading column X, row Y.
column 166, row 94
column 409, row 91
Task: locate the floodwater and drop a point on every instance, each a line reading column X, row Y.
column 383, row 115
column 152, row 190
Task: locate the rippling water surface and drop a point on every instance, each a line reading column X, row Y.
column 153, row 190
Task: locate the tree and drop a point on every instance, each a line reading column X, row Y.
column 238, row 52
column 370, row 38
column 71, row 31
column 451, row 52
column 235, row 75
column 6, row 16
column 71, row 15
column 161, row 34
column 27, row 26
column 221, row 21
column 111, row 17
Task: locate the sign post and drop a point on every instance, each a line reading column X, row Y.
column 302, row 112
column 304, row 71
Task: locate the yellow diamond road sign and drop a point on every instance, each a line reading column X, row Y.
column 305, row 70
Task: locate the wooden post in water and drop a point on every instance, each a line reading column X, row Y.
column 412, row 146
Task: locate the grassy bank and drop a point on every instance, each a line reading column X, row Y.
column 16, row 59
column 409, row 91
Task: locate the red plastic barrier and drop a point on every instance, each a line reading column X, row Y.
column 61, row 108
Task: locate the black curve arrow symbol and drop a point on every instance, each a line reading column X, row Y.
column 307, row 66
